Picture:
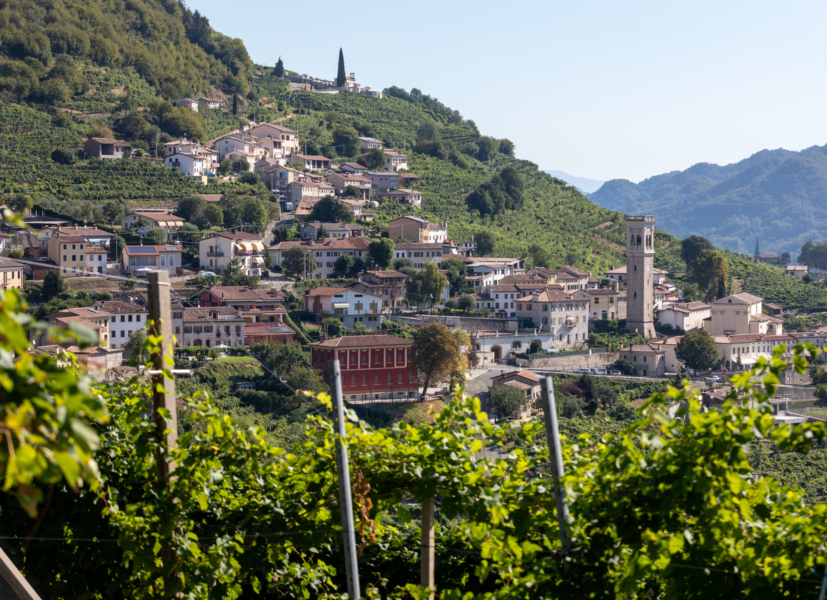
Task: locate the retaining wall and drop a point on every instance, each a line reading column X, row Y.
column 598, row 359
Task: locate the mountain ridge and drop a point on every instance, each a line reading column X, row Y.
column 774, row 195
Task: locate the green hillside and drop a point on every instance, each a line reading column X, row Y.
column 116, row 67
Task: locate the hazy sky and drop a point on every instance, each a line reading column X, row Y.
column 597, row 89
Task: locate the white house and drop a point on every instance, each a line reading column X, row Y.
column 141, row 221
column 325, row 252
column 405, row 196
column 283, row 137
column 136, row 260
column 95, row 259
column 249, row 146
column 348, row 305
column 216, row 251
column 188, row 103
column 741, row 314
column 125, row 319
column 355, row 168
column 419, row 253
column 491, row 272
column 685, row 316
column 395, row 161
column 563, row 314
column 211, row 102
column 384, row 180
column 369, row 143
column 193, row 165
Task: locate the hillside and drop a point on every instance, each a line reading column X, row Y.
column 774, row 195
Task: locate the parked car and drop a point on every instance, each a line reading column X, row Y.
column 614, row 372
column 714, row 378
column 207, row 274
column 600, row 372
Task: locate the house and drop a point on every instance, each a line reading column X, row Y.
column 138, row 260
column 649, row 359
column 310, row 230
column 572, row 278
column 288, row 138
column 384, row 180
column 199, row 163
column 404, row 196
column 141, row 221
column 368, row 143
column 236, row 145
column 188, row 103
column 95, row 360
column 395, row 161
column 300, row 191
column 92, row 235
column 741, row 314
column 342, row 181
column 500, row 298
column 69, row 254
column 311, row 162
column 89, row 317
column 12, row 274
column 105, row 148
column 125, row 318
column 354, row 168
column 237, row 155
column 213, row 103
column 357, row 207
column 212, row 327
column 744, row 350
column 371, row 365
column 685, row 315
column 216, row 251
column 602, row 304
column 388, row 284
column 525, row 381
column 489, row 272
column 563, row 314
column 325, row 251
column 417, row 230
column 420, row 254
column 348, row 305
column 797, row 271
column 268, row 333
column 267, row 301
column 773, row 309
column 182, row 146
column 279, row 178
column 96, row 258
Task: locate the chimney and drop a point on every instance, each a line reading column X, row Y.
column 76, row 225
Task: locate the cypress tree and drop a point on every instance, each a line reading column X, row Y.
column 235, row 104
column 279, row 70
column 340, row 78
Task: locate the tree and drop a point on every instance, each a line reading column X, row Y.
column 306, row 379
column 226, row 167
column 156, row 236
column 505, row 400
column 344, row 264
column 401, row 263
column 710, row 268
column 785, row 259
column 626, row 367
column 506, row 147
column 692, row 247
column 254, row 214
column 241, row 165
column 279, row 70
column 427, row 131
column 697, row 350
column 352, row 191
column 820, row 394
column 235, row 104
column 485, row 243
column 539, row 256
column 231, row 272
column 381, row 251
column 17, row 253
column 281, row 358
column 298, row 261
column 53, row 284
column 467, row 302
column 536, row 346
column 191, row 208
column 134, row 347
column 435, row 351
column 375, row 159
column 331, row 210
column 213, row 215
column 340, row 75
column 346, row 140
column 487, row 148
column 332, row 327
column 20, row 203
column 426, row 286
column 63, row 156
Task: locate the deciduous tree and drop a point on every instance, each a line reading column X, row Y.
column 426, row 286
column 381, row 251
column 485, row 243
column 331, row 210
column 505, row 400
column 435, row 354
column 53, row 284
column 692, row 247
column 697, row 350
column 710, row 269
column 298, row 261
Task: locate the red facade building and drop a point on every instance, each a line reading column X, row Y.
column 370, row 364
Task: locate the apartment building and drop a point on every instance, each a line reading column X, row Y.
column 563, row 314
column 212, row 327
column 125, row 319
column 342, row 181
column 349, row 305
column 137, row 260
column 287, row 138
column 249, row 145
column 420, row 254
column 416, row 229
column 310, row 230
column 141, row 221
column 12, row 274
column 216, row 251
column 325, row 251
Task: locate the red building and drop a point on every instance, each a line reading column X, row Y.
column 371, row 364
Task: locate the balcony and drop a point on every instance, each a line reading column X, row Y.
column 216, row 253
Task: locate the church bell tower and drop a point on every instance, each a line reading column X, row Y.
column 640, row 257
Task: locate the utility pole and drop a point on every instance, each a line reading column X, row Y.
column 163, row 387
column 556, row 459
column 426, row 553
column 343, row 469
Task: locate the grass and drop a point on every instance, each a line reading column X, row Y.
column 385, row 413
column 233, row 368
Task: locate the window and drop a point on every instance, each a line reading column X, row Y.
column 74, row 257
column 73, row 246
column 64, row 247
column 130, row 318
column 364, row 379
column 138, row 318
column 112, row 319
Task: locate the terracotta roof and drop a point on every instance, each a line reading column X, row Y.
column 71, row 239
column 325, row 291
column 643, row 348
column 742, row 298
column 5, row 263
column 418, row 246
column 91, row 249
column 87, row 312
column 393, row 154
column 312, row 157
column 242, row 292
column 516, row 384
column 355, row 166
column 548, row 296
column 361, row 341
column 194, row 315
column 76, row 230
column 402, row 192
column 573, row 271
column 239, row 235
column 158, row 216
column 115, row 142
column 117, row 307
column 79, row 321
column 521, row 373
column 602, row 292
column 386, row 274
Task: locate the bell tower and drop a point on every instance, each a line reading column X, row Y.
column 640, row 256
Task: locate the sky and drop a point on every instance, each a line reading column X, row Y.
column 598, row 89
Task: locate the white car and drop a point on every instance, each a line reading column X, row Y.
column 207, row 274
column 714, row 378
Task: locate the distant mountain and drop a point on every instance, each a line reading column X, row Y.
column 586, row 186
column 775, row 195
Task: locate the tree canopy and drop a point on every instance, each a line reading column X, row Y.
column 297, row 261
column 435, row 352
column 331, row 210
column 381, row 252
column 711, row 269
column 485, row 243
column 426, row 286
column 692, row 247
column 697, row 350
column 503, row 192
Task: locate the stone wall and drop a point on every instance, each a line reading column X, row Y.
column 576, row 361
column 468, row 324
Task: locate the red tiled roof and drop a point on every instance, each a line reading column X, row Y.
column 362, row 341
column 325, row 291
